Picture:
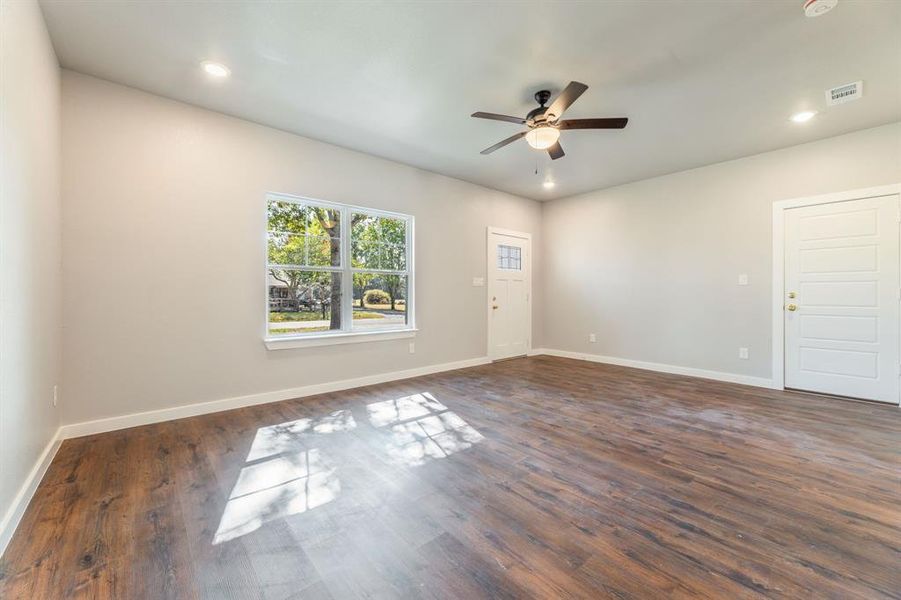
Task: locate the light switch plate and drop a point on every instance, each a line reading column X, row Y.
column 743, row 353
column 743, row 279
column 478, row 282
column 592, row 337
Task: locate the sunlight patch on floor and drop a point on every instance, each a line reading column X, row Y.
column 421, row 428
column 286, row 437
column 282, row 477
column 402, row 409
column 274, row 488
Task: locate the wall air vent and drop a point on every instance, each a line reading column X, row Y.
column 844, row 93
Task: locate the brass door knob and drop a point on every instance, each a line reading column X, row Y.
column 791, row 294
column 792, row 307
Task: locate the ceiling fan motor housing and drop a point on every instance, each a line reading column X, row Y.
column 541, row 97
column 536, row 116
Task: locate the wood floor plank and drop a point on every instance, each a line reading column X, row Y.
column 532, row 478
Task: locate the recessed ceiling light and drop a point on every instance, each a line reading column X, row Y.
column 214, row 69
column 804, row 116
column 548, row 185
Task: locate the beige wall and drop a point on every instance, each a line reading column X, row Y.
column 652, row 267
column 164, row 252
column 29, row 245
column 163, row 243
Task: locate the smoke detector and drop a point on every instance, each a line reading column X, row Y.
column 815, row 8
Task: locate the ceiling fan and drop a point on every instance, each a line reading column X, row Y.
column 544, row 122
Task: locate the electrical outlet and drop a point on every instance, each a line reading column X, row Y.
column 592, row 338
column 478, row 282
column 743, row 353
column 743, row 279
column 55, row 395
column 412, row 348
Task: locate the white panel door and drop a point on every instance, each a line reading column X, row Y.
column 509, row 314
column 842, row 298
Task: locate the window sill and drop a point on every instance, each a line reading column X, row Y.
column 332, row 339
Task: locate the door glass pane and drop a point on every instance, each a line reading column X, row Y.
column 509, row 257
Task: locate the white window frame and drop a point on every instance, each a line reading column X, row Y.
column 346, row 334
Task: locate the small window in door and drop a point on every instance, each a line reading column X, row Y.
column 509, row 257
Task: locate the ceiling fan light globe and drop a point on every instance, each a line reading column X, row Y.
column 542, row 138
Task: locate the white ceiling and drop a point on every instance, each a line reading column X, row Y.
column 701, row 82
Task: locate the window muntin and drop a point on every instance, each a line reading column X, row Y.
column 321, row 281
column 303, row 235
column 378, row 243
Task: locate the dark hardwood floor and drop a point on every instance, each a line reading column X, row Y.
column 540, row 477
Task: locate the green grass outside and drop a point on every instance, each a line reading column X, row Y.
column 398, row 306
column 283, row 330
column 283, row 317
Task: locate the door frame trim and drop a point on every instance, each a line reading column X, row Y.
column 778, row 299
column 488, row 258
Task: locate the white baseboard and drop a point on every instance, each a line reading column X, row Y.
column 192, row 410
column 660, row 367
column 23, row 497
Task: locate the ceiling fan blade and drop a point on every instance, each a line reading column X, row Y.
column 569, row 95
column 497, row 117
column 611, row 123
column 556, row 151
column 503, row 143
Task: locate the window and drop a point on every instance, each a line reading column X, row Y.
column 336, row 269
column 509, row 257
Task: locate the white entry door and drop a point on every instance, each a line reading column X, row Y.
column 842, row 298
column 509, row 305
